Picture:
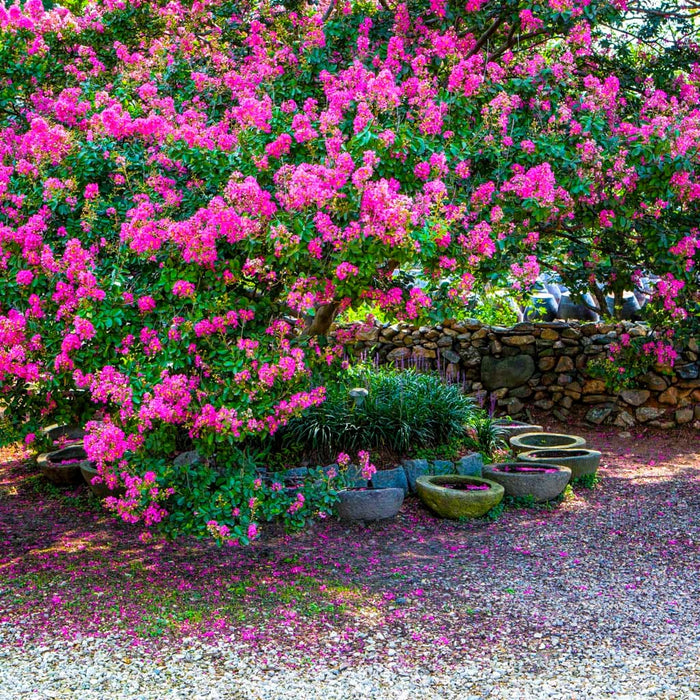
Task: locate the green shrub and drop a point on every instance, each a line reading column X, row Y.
column 401, row 411
column 485, row 436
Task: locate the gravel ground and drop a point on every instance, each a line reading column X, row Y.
column 597, row 598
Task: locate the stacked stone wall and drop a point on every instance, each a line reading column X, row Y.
column 542, row 366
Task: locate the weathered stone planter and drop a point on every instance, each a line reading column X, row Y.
column 369, row 504
column 543, row 482
column 453, row 496
column 100, row 489
column 511, row 428
column 580, row 461
column 67, row 433
column 546, row 441
column 62, row 467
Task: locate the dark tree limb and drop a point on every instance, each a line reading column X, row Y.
column 320, row 323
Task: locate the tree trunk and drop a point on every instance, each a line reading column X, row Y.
column 321, row 322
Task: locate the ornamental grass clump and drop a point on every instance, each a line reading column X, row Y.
column 386, row 410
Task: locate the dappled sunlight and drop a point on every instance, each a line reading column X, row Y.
column 339, row 589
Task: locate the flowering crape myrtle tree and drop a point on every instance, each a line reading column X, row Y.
column 190, row 191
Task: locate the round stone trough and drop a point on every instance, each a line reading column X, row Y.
column 62, row 467
column 454, row 496
column 543, row 482
column 100, row 489
column 511, row 428
column 369, row 504
column 546, row 441
column 580, row 460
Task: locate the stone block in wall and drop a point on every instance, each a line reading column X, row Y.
column 654, row 382
column 444, row 341
column 684, row 415
column 596, row 398
column 399, row 354
column 424, row 353
column 624, row 419
column 648, row 413
column 519, row 340
column 471, row 357
column 520, row 392
column 571, row 332
column 565, row 364
column 547, row 363
column 368, row 334
column 508, row 372
column 572, row 351
column 512, row 406
column 450, row 355
column 599, row 414
column 689, row 371
column 662, row 424
column 669, row 397
column 594, row 386
column 549, row 334
column 635, row 397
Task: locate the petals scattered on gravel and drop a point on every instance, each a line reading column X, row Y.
column 599, row 597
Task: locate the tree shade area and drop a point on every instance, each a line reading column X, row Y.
column 191, row 192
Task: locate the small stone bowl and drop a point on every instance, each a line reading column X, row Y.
column 543, row 482
column 62, row 467
column 454, row 496
column 369, row 504
column 511, row 428
column 100, row 489
column 580, row 461
column 546, row 441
